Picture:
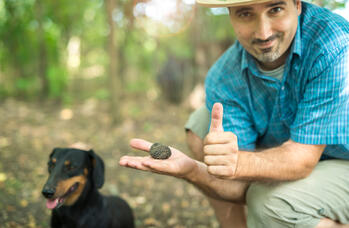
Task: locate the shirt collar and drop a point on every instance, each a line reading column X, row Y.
column 244, row 59
column 296, row 48
column 297, row 42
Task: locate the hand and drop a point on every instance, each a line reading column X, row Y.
column 220, row 148
column 178, row 164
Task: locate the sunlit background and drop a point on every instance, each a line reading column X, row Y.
column 162, row 18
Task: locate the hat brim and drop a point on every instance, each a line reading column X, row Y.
column 228, row 3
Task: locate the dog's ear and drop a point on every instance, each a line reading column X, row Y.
column 54, row 151
column 98, row 169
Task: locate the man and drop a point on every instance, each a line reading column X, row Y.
column 281, row 144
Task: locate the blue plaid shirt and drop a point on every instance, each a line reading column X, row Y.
column 311, row 103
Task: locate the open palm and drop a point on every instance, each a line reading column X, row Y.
column 178, row 164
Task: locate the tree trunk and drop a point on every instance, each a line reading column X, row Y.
column 113, row 78
column 42, row 64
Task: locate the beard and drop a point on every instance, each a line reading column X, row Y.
column 271, row 54
column 268, row 55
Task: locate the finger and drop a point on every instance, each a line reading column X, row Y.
column 215, row 160
column 217, row 118
column 156, row 165
column 217, row 149
column 161, row 167
column 220, row 138
column 144, row 163
column 134, row 162
column 226, row 172
column 140, row 144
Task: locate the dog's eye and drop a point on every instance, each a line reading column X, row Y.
column 70, row 167
column 50, row 165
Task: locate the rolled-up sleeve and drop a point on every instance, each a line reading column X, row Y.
column 323, row 113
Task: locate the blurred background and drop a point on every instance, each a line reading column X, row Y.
column 100, row 72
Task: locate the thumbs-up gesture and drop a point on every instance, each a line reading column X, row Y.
column 220, row 148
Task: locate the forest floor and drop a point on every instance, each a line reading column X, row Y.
column 29, row 132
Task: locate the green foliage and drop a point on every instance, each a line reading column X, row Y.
column 330, row 4
column 13, row 184
column 148, row 127
column 135, row 111
column 219, row 23
column 102, row 94
column 34, row 35
column 57, row 79
column 26, row 86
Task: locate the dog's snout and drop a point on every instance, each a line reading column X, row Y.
column 48, row 192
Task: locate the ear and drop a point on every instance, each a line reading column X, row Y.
column 299, row 6
column 98, row 169
column 54, row 151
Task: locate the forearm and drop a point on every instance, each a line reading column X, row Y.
column 222, row 189
column 290, row 161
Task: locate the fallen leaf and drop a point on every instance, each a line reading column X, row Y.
column 184, row 204
column 172, row 221
column 166, row 207
column 4, row 142
column 10, row 208
column 3, row 177
column 66, row 114
column 24, row 203
column 32, row 223
column 151, row 222
column 140, row 199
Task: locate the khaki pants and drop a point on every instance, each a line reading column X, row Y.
column 299, row 204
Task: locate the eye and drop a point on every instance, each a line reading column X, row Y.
column 50, row 165
column 244, row 14
column 276, row 10
column 70, row 167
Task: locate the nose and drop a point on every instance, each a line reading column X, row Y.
column 48, row 192
column 263, row 28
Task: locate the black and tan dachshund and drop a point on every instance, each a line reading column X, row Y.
column 72, row 193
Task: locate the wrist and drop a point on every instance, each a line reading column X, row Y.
column 192, row 176
column 243, row 169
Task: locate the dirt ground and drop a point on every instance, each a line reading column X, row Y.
column 29, row 132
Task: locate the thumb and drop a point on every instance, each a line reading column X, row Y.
column 217, row 118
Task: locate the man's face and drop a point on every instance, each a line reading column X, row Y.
column 266, row 30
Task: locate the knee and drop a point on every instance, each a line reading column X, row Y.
column 257, row 201
column 195, row 145
column 266, row 208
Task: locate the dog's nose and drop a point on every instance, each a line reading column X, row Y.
column 48, row 192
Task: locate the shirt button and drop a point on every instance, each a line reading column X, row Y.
column 283, row 88
column 321, row 211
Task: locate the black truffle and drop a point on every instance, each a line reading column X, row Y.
column 159, row 151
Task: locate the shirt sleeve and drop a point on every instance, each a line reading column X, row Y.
column 235, row 114
column 323, row 113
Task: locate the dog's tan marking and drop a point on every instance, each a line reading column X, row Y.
column 54, row 160
column 67, row 162
column 85, row 172
column 65, row 185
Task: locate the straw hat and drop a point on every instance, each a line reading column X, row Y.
column 227, row 3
